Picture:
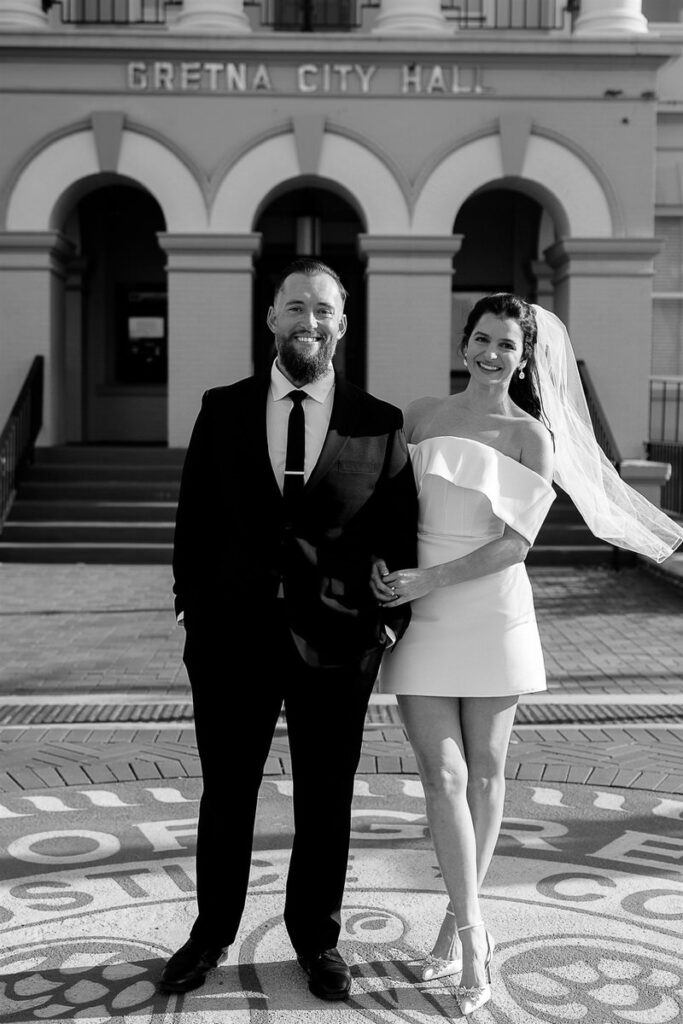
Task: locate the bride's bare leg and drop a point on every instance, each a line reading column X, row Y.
column 486, row 724
column 433, row 727
column 462, row 743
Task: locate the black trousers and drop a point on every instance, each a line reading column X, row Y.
column 240, row 681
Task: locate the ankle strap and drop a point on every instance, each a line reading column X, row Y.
column 466, row 927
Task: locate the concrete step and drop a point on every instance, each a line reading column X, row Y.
column 92, row 554
column 117, row 454
column 563, row 514
column 567, row 534
column 100, row 490
column 110, row 471
column 94, row 511
column 575, row 554
column 86, row 533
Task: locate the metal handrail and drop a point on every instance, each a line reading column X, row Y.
column 18, row 437
column 603, row 432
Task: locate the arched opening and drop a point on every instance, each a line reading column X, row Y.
column 311, row 221
column 504, row 232
column 116, row 317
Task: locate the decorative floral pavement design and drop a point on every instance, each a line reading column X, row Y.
column 93, row 979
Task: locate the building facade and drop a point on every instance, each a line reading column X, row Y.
column 160, row 163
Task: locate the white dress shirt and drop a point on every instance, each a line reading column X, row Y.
column 317, row 413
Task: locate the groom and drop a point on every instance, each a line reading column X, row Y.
column 293, row 483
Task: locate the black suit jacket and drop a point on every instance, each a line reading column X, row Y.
column 236, row 539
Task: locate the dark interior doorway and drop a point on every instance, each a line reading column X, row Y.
column 312, row 221
column 500, row 229
column 124, row 316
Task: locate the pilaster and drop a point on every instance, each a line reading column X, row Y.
column 409, row 302
column 545, row 291
column 603, row 293
column 32, row 275
column 209, row 319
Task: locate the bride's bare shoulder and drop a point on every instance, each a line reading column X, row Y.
column 419, row 411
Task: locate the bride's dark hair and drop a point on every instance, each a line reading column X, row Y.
column 525, row 392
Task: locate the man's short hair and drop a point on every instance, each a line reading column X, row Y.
column 309, row 266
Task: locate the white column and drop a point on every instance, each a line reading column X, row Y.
column 226, row 17
column 22, row 14
column 408, row 17
column 409, row 312
column 610, row 17
column 209, row 320
column 603, row 293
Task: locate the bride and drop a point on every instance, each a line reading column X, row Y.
column 484, row 461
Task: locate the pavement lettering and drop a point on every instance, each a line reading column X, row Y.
column 585, row 901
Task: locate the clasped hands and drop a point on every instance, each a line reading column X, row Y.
column 396, row 588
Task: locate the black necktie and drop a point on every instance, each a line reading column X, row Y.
column 294, row 465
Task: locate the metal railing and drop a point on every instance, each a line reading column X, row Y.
column 18, row 438
column 327, row 15
column 666, row 435
column 666, row 408
column 526, row 15
column 111, row 12
column 603, row 432
column 606, row 440
column 672, row 491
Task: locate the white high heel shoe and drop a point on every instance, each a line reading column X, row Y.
column 472, row 998
column 440, row 967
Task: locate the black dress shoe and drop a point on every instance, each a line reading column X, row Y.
column 188, row 968
column 329, row 977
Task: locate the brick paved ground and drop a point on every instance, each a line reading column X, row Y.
column 53, row 758
column 84, row 629
column 88, row 630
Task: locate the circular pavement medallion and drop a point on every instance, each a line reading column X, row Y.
column 94, row 978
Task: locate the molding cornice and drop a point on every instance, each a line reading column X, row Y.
column 200, row 254
column 603, row 257
column 503, row 47
column 35, row 250
column 410, row 255
column 410, row 245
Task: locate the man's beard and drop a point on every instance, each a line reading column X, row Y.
column 305, row 368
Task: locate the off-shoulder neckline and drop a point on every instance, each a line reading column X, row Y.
column 480, row 444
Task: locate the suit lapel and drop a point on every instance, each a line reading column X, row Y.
column 258, row 464
column 344, row 410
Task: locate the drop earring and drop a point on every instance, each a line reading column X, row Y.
column 464, row 359
column 521, row 375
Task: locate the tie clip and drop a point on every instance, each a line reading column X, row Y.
column 294, row 472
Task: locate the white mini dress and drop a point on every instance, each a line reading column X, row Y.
column 478, row 638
